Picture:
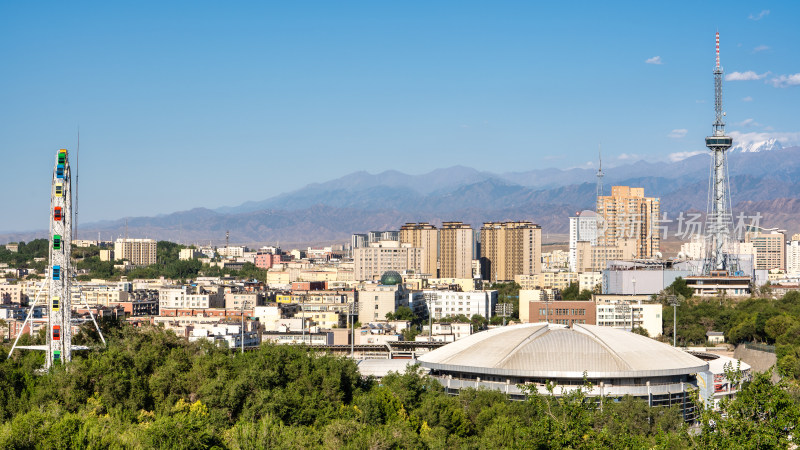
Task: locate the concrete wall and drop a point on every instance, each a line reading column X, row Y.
column 759, row 361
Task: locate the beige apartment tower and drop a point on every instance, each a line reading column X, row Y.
column 425, row 236
column 371, row 262
column 139, row 252
column 770, row 248
column 628, row 214
column 509, row 249
column 455, row 250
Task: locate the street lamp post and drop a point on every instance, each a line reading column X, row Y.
column 242, row 327
column 430, row 316
column 351, row 309
column 673, row 300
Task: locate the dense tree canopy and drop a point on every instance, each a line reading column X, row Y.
column 151, row 389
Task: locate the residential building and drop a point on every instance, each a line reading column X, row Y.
column 187, row 254
column 371, row 262
column 770, row 249
column 450, row 303
column 324, row 319
column 456, row 243
column 186, row 297
column 582, row 228
column 98, row 295
column 509, row 249
column 139, row 252
column 247, row 300
column 359, row 240
column 106, row 255
column 375, row 301
column 596, row 257
column 793, row 256
column 628, row 214
column 446, row 332
column 10, row 293
column 231, row 251
column 555, row 260
column 589, row 281
column 425, row 236
column 547, row 280
column 266, row 260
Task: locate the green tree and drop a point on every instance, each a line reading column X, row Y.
column 571, row 293
column 679, row 287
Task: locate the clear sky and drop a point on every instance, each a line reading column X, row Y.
column 200, row 103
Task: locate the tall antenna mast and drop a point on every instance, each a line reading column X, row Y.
column 719, row 217
column 77, row 179
column 600, row 176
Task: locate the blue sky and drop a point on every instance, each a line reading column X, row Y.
column 188, row 104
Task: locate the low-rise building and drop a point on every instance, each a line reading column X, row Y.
column 627, row 314
column 247, row 300
column 590, row 281
column 547, row 280
column 442, row 304
column 375, row 301
column 189, row 297
column 562, row 312
column 445, row 332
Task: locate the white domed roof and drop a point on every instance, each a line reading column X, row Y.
column 548, row 350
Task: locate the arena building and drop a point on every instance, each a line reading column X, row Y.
column 615, row 362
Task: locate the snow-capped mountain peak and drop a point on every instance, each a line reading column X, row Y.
column 747, row 146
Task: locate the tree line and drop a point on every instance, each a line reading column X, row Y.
column 151, row 389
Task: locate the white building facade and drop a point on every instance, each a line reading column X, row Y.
column 449, row 303
column 582, row 227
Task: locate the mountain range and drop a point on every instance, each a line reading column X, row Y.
column 764, row 179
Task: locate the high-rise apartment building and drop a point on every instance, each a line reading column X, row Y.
column 793, row 256
column 426, row 237
column 628, row 214
column 373, row 261
column 770, row 249
column 509, row 249
column 140, row 252
column 582, row 228
column 359, row 240
column 456, row 241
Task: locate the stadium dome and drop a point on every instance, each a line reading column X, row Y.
column 615, row 362
column 391, row 278
column 548, row 350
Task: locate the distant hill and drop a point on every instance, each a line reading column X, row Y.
column 766, row 181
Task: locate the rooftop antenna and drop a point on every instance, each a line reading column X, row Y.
column 600, row 176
